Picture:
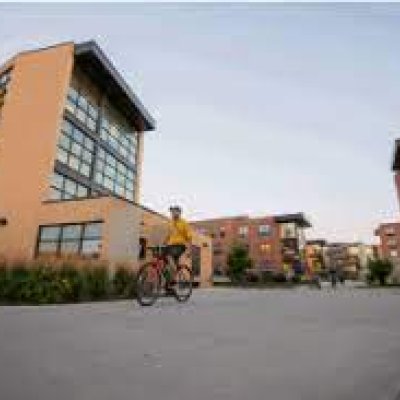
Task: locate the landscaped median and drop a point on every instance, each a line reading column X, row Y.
column 63, row 281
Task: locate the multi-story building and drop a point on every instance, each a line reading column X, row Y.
column 272, row 241
column 315, row 255
column 349, row 259
column 389, row 244
column 71, row 146
column 396, row 167
column 389, row 233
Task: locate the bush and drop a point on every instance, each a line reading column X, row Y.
column 379, row 270
column 3, row 280
column 238, row 262
column 71, row 279
column 252, row 276
column 124, row 282
column 96, row 282
column 279, row 277
column 46, row 281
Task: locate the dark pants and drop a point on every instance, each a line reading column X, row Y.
column 175, row 251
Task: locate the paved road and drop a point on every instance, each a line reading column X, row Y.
column 224, row 344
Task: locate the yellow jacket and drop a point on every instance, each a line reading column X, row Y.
column 179, row 232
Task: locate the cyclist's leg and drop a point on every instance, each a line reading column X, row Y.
column 175, row 252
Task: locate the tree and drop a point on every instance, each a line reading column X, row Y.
column 379, row 270
column 238, row 262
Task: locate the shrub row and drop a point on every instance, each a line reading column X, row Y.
column 52, row 282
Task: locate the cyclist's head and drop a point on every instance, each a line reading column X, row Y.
column 176, row 211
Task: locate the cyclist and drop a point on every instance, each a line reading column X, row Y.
column 179, row 236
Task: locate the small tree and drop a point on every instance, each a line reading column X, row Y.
column 380, row 270
column 238, row 262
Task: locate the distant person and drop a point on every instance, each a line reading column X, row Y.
column 333, row 275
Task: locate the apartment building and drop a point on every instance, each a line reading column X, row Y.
column 315, row 255
column 272, row 241
column 349, row 258
column 389, row 244
column 71, row 148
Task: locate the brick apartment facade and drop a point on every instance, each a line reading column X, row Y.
column 71, row 149
column 272, row 241
column 389, row 244
column 389, row 233
column 315, row 256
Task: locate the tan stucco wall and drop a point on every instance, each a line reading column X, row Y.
column 123, row 234
column 31, row 119
column 120, row 224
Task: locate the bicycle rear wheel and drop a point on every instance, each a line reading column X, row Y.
column 148, row 284
column 183, row 283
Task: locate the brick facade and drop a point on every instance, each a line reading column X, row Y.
column 271, row 241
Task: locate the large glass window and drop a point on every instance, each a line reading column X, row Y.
column 114, row 175
column 71, row 239
column 123, row 141
column 75, row 149
column 63, row 188
column 4, row 81
column 80, row 106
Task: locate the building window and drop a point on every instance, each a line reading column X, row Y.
column 393, row 253
column 288, row 230
column 392, row 242
column 243, row 231
column 79, row 105
column 264, row 230
column 142, row 248
column 265, row 247
column 222, row 233
column 218, row 252
column 389, row 230
column 203, row 231
column 113, row 175
column 122, row 141
column 75, row 149
column 63, row 188
column 5, row 78
column 71, row 239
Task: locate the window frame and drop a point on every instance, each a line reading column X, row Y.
column 123, row 183
column 243, row 231
column 60, row 240
column 263, row 233
column 64, row 194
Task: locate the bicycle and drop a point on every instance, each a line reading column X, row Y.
column 152, row 279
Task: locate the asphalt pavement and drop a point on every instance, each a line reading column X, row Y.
column 223, row 344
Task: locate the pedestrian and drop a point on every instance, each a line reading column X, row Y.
column 333, row 274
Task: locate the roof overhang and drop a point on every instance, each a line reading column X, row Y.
column 396, row 156
column 318, row 242
column 96, row 64
column 297, row 218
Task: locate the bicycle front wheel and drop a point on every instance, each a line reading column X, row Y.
column 148, row 283
column 183, row 283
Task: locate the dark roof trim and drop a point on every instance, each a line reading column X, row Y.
column 92, row 49
column 396, row 156
column 320, row 242
column 298, row 218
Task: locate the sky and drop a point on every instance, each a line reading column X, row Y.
column 261, row 108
